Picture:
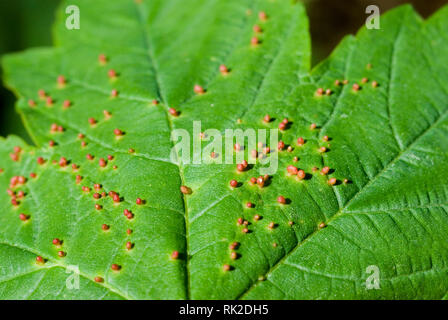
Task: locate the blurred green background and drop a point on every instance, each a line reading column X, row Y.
column 27, row 23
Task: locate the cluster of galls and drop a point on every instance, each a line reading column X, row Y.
column 355, row 86
column 63, row 162
column 292, row 171
column 61, row 83
column 255, row 41
column 223, row 69
column 300, row 173
column 15, row 156
column 118, row 133
column 17, row 196
column 98, row 193
column 49, row 101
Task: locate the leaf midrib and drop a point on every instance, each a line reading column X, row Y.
column 162, row 97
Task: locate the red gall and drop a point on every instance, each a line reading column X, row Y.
column 280, row 145
column 281, row 199
column 115, row 267
column 237, row 147
column 223, row 69
column 102, row 163
column 102, row 59
column 292, row 170
column 173, row 112
column 61, row 80
column 112, row 73
column 62, row 162
column 185, row 190
column 198, row 89
column 42, row 94
column 107, row 114
column 260, row 182
column 49, row 101
column 234, row 245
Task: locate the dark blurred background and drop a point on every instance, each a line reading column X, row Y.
column 27, row 23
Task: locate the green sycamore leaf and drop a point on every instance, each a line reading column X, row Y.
column 387, row 150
